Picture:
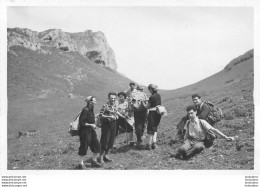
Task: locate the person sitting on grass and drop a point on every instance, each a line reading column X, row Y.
column 195, row 135
column 203, row 111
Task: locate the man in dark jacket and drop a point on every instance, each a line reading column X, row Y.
column 202, row 108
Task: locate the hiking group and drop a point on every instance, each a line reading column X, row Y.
column 135, row 112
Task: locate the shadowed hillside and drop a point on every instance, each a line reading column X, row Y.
column 43, row 84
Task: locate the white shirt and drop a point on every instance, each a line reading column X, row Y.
column 195, row 129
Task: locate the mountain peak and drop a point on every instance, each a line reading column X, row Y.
column 92, row 45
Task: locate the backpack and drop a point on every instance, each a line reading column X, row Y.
column 210, row 136
column 137, row 99
column 215, row 114
column 138, row 105
column 74, row 126
column 161, row 110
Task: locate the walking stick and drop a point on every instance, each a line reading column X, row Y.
column 126, row 132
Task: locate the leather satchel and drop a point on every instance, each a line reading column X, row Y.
column 210, row 136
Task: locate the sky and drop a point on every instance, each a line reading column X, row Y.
column 168, row 46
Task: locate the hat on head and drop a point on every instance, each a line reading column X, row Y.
column 139, row 87
column 89, row 98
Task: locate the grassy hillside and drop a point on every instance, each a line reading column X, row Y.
column 49, row 112
column 42, row 84
column 237, row 70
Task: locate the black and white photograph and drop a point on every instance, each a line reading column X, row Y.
column 130, row 87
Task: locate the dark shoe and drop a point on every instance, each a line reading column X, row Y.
column 95, row 164
column 178, row 156
column 148, row 147
column 132, row 144
column 107, row 159
column 82, row 166
column 154, row 146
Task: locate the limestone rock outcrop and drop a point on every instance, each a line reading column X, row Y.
column 93, row 45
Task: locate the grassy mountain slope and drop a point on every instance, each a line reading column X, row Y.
column 233, row 73
column 50, row 113
column 41, row 84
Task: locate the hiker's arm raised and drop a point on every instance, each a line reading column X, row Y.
column 217, row 132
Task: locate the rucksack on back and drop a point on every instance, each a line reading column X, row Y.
column 215, row 114
column 137, row 99
column 74, row 126
column 138, row 105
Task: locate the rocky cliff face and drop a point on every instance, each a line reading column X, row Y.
column 90, row 44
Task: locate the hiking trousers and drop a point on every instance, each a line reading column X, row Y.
column 153, row 122
column 190, row 148
column 88, row 138
column 108, row 131
column 140, row 119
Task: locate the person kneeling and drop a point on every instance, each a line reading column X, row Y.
column 195, row 135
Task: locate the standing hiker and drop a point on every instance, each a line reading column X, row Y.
column 195, row 135
column 124, row 114
column 130, row 91
column 140, row 114
column 153, row 117
column 109, row 116
column 87, row 133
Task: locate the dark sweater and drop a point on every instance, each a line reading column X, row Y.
column 86, row 116
column 155, row 100
column 203, row 111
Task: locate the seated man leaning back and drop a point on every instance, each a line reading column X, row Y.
column 202, row 113
column 195, row 135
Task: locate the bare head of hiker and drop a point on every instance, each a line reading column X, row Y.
column 196, row 98
column 132, row 85
column 192, row 112
column 122, row 96
column 112, row 97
